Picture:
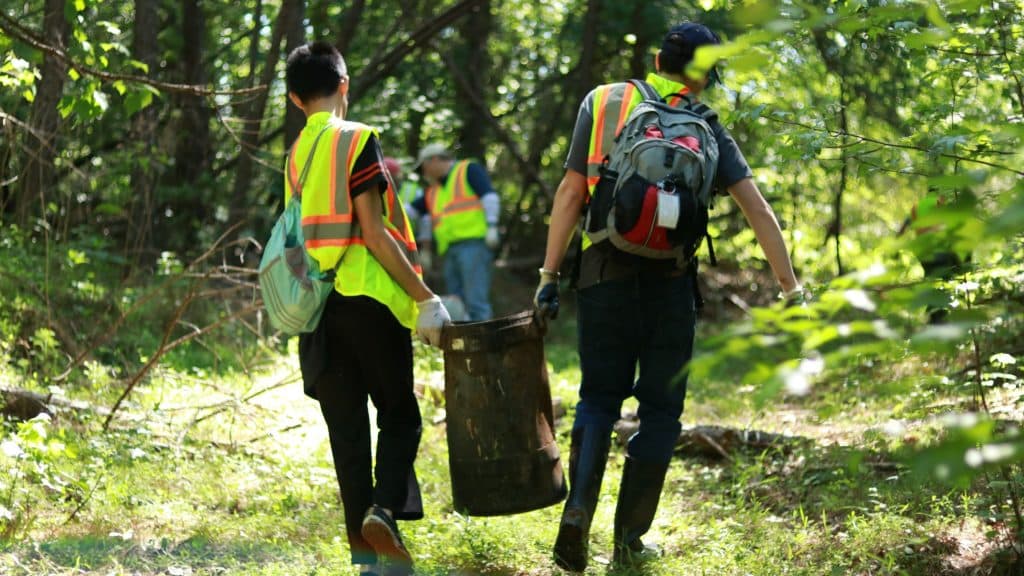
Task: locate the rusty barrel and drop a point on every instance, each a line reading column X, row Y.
column 501, row 444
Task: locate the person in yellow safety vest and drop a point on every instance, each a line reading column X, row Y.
column 408, row 189
column 634, row 313
column 354, row 224
column 462, row 208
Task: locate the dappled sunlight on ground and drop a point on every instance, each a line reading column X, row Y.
column 234, row 476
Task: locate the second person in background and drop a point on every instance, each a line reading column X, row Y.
column 462, row 208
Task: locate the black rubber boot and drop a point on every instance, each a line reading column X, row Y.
column 588, row 456
column 638, row 501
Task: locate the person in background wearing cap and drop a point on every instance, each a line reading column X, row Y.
column 630, row 314
column 461, row 207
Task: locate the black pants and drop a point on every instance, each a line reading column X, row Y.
column 366, row 353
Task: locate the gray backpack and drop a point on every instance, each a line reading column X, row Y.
column 652, row 200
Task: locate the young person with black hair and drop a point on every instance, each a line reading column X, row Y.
column 631, row 314
column 354, row 224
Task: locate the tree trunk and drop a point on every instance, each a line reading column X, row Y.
column 193, row 149
column 349, row 24
column 380, row 67
column 38, row 174
column 414, row 136
column 591, row 27
column 837, row 208
column 640, row 60
column 142, row 137
column 384, row 64
column 294, row 119
column 241, row 199
column 474, row 60
column 8, row 143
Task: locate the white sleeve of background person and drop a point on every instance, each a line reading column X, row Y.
column 411, row 211
column 492, row 208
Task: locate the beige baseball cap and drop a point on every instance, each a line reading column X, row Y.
column 429, row 151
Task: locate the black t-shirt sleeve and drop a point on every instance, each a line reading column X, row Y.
column 368, row 173
column 579, row 146
column 732, row 166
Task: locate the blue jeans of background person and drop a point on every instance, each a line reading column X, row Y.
column 467, row 274
column 647, row 320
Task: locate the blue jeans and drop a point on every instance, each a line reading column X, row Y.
column 647, row 320
column 467, row 274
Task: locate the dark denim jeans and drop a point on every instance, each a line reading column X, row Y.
column 647, row 320
column 467, row 274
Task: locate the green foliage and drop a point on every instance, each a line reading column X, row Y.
column 848, row 112
column 874, row 317
column 29, row 455
column 59, row 308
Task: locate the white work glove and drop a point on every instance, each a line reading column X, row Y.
column 432, row 318
column 492, row 239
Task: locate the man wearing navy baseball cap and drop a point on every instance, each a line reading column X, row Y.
column 634, row 313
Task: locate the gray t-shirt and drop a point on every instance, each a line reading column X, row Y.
column 732, row 167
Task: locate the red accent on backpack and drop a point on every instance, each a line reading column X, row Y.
column 648, row 220
column 688, row 142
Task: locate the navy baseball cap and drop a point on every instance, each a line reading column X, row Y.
column 682, row 40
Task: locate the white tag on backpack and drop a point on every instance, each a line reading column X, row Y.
column 668, row 210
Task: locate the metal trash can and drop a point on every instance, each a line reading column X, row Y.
column 501, row 444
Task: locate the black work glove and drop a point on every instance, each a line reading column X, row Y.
column 546, row 297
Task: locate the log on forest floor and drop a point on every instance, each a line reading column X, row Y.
column 21, row 404
column 717, row 442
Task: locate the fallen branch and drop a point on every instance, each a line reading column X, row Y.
column 717, row 442
column 21, row 404
column 224, row 405
column 167, row 347
column 111, row 330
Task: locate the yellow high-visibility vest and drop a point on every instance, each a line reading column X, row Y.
column 333, row 236
column 455, row 209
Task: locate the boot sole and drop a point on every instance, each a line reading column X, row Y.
column 570, row 550
column 383, row 540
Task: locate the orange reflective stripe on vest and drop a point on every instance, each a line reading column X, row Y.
column 455, row 209
column 612, row 105
column 461, row 199
column 332, row 232
column 329, row 220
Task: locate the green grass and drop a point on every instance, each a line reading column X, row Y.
column 182, row 488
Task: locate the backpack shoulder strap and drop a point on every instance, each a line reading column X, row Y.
column 297, row 186
column 648, row 91
column 705, row 111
